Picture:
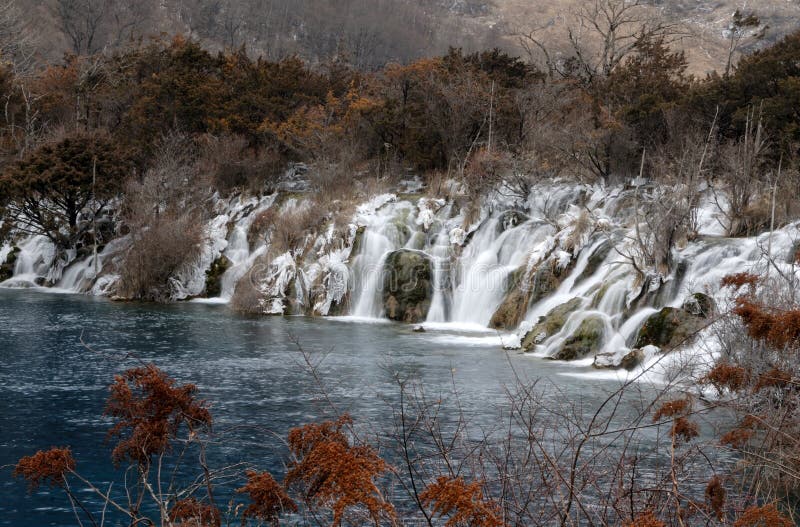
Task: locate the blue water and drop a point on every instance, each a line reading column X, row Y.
column 53, row 389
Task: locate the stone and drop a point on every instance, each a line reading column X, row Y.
column 550, row 324
column 214, row 276
column 628, row 361
column 407, row 285
column 7, row 267
column 587, row 339
column 669, row 328
column 418, row 329
column 700, row 305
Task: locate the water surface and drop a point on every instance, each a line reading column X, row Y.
column 53, row 389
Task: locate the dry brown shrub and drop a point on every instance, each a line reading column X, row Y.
column 766, row 516
column 674, row 408
column 189, row 512
column 739, row 280
column 287, row 228
column 268, row 500
column 156, row 254
column 150, row 409
column 164, row 214
column 646, row 519
column 715, row 497
column 46, row 466
column 725, row 375
column 332, row 473
column 462, row 503
column 774, row 378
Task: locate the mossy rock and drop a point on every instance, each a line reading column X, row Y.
column 7, row 267
column 545, row 280
column 407, row 286
column 669, row 328
column 515, row 302
column 550, row 324
column 700, row 305
column 595, row 261
column 214, row 276
column 587, row 339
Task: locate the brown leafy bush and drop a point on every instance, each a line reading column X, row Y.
column 646, row 519
column 190, row 512
column 727, row 376
column 461, row 502
column 46, row 466
column 332, row 473
column 268, row 499
column 150, row 408
column 766, row 516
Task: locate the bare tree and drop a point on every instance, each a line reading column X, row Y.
column 743, row 30
column 606, row 31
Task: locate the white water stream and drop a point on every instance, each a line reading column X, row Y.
column 471, row 267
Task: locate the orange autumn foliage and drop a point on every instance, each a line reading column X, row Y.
column 463, row 502
column 150, row 409
column 715, row 497
column 766, row 516
column 646, row 519
column 678, row 410
column 190, row 512
column 739, row 280
column 46, row 466
column 268, row 500
column 333, row 473
column 725, row 375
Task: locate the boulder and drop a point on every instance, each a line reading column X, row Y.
column 358, row 240
column 628, row 361
column 700, row 305
column 587, row 339
column 550, row 324
column 515, row 303
column 407, row 286
column 524, row 289
column 7, row 267
column 669, row 328
column 214, row 276
column 510, row 219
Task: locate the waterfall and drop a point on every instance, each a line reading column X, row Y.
column 576, row 232
column 441, row 255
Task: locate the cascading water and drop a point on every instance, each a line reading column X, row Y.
column 572, row 232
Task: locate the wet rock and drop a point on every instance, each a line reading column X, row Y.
column 628, row 361
column 550, row 324
column 595, row 261
column 515, row 303
column 700, row 305
column 7, row 267
column 510, row 219
column 358, row 240
column 524, row 288
column 587, row 339
column 669, row 328
column 418, row 329
column 214, row 276
column 407, row 287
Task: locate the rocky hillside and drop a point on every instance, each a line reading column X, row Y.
column 372, row 32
